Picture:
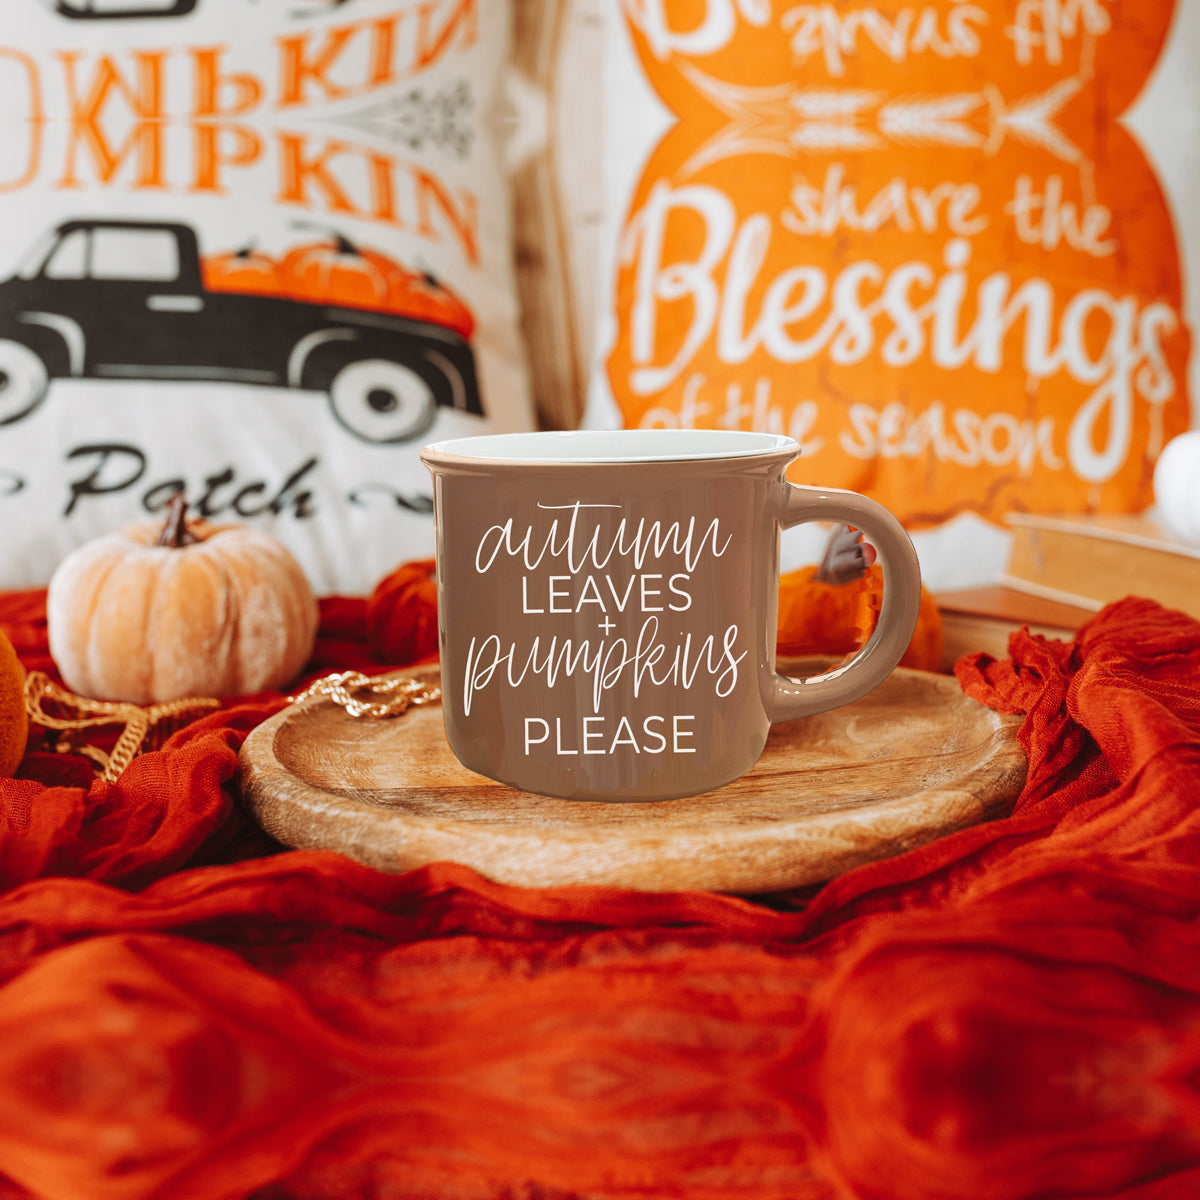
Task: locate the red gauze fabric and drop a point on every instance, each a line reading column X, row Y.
column 1010, row 1012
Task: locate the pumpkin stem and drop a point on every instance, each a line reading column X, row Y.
column 846, row 557
column 342, row 244
column 175, row 532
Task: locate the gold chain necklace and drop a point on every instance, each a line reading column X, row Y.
column 386, row 695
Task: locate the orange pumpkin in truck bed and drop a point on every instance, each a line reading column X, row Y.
column 336, row 271
column 246, row 270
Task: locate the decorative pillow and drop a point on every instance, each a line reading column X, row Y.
column 257, row 252
column 941, row 244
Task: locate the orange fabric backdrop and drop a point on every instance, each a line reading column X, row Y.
column 1010, row 1012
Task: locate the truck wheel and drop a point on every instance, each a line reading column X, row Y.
column 381, row 401
column 23, row 381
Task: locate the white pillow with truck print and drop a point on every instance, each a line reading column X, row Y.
column 258, row 253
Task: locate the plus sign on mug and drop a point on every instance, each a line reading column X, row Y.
column 607, row 606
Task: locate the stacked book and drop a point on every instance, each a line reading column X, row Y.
column 1061, row 570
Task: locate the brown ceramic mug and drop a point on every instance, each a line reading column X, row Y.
column 607, row 606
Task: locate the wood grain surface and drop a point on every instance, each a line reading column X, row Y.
column 913, row 760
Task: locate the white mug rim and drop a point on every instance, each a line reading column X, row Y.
column 584, row 446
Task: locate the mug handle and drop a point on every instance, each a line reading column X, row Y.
column 792, row 698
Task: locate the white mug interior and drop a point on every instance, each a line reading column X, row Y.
column 617, row 445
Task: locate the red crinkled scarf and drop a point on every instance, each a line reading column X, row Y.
column 1009, row 1012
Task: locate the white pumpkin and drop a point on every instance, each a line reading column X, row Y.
column 155, row 613
column 1177, row 486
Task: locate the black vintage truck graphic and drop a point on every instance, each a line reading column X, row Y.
column 114, row 10
column 126, row 300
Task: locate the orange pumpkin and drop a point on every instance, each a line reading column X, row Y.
column 818, row 617
column 156, row 613
column 424, row 297
column 339, row 272
column 402, row 613
column 247, row 271
column 14, row 723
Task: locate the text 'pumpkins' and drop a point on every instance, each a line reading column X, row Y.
column 158, row 612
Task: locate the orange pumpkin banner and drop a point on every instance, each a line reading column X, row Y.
column 917, row 241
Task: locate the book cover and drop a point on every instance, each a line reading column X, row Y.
column 1090, row 561
column 981, row 619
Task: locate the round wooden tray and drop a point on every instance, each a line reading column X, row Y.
column 911, row 761
column 907, row 763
